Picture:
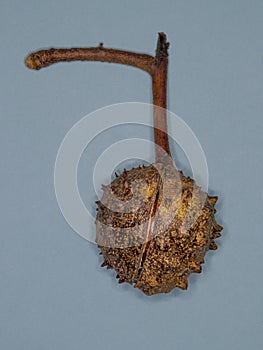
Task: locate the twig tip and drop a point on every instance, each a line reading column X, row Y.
column 31, row 61
column 162, row 46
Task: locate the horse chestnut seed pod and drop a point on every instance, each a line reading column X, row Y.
column 154, row 225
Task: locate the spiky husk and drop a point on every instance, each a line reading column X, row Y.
column 163, row 237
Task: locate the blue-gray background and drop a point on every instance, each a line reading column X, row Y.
column 53, row 295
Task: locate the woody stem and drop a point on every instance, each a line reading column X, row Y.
column 155, row 66
column 159, row 88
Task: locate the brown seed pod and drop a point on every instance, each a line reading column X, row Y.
column 154, row 225
column 156, row 258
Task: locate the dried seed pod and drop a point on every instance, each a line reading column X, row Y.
column 156, row 258
column 153, row 224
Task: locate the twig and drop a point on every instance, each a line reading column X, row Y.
column 155, row 66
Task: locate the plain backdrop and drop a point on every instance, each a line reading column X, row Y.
column 53, row 294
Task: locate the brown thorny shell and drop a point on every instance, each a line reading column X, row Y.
column 163, row 237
